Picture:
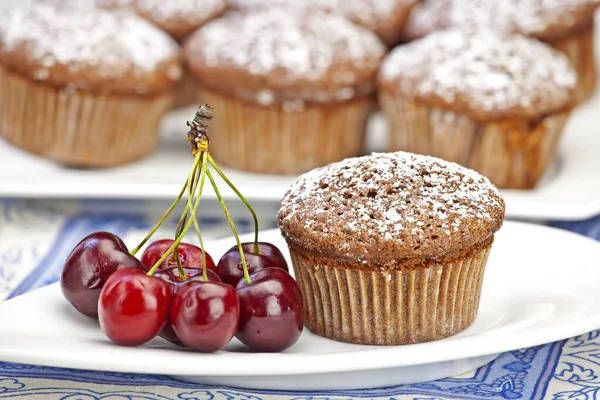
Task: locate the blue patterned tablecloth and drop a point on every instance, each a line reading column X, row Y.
column 41, row 235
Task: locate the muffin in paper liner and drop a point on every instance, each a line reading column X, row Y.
column 492, row 103
column 580, row 50
column 269, row 139
column 567, row 26
column 77, row 128
column 87, row 87
column 348, row 303
column 511, row 153
column 291, row 91
column 391, row 248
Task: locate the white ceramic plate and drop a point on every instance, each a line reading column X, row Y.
column 540, row 286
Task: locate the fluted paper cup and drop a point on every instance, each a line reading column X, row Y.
column 580, row 50
column 348, row 302
column 272, row 140
column 75, row 127
column 512, row 154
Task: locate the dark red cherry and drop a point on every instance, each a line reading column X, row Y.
column 205, row 315
column 171, row 276
column 230, row 268
column 89, row 266
column 133, row 307
column 191, row 256
column 271, row 312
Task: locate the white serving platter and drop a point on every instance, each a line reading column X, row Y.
column 540, row 286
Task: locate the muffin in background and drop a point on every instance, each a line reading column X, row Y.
column 566, row 25
column 384, row 17
column 84, row 87
column 390, row 249
column 291, row 91
column 492, row 103
column 179, row 18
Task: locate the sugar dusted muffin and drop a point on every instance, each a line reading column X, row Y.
column 566, row 25
column 384, row 17
column 82, row 86
column 179, row 18
column 390, row 249
column 291, row 91
column 492, row 103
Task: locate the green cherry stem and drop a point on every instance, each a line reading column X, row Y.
column 192, row 185
column 242, row 198
column 176, row 242
column 159, row 223
column 230, row 220
column 202, row 177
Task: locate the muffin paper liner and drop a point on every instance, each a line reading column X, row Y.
column 511, row 153
column 75, row 127
column 388, row 307
column 268, row 139
column 580, row 50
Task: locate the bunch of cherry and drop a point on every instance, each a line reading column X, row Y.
column 175, row 290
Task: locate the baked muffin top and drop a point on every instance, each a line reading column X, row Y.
column 274, row 55
column 179, row 18
column 485, row 75
column 88, row 49
column 385, row 17
column 543, row 19
column 390, row 206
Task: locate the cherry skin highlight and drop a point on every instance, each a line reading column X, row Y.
column 171, row 276
column 133, row 307
column 204, row 315
column 271, row 311
column 230, row 268
column 191, row 256
column 89, row 266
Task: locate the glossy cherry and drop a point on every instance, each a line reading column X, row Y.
column 205, row 315
column 191, row 256
column 230, row 268
column 271, row 311
column 89, row 266
column 133, row 307
column 171, row 276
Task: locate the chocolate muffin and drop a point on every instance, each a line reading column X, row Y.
column 82, row 86
column 566, row 25
column 291, row 91
column 497, row 104
column 391, row 248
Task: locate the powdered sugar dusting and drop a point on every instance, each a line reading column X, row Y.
column 391, row 198
column 528, row 17
column 116, row 43
column 365, row 12
column 487, row 71
column 191, row 11
column 299, row 46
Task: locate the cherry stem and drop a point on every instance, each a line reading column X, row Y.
column 230, row 220
column 242, row 198
column 160, row 222
column 192, row 185
column 202, row 177
column 177, row 240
